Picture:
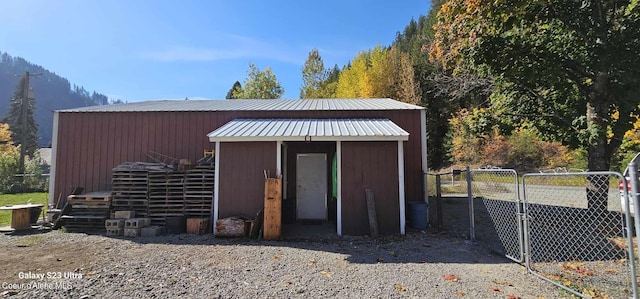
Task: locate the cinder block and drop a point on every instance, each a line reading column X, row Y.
column 132, row 232
column 151, row 231
column 115, row 231
column 147, row 221
column 114, row 223
column 124, row 214
column 134, row 223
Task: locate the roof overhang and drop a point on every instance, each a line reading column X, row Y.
column 245, row 130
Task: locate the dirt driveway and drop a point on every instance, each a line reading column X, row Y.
column 420, row 265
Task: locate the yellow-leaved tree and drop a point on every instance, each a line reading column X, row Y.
column 9, row 157
column 354, row 79
column 379, row 73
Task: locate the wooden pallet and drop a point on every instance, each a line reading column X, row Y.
column 158, row 192
column 130, row 187
column 198, row 191
column 83, row 210
column 101, row 196
column 83, row 223
column 166, row 195
column 86, row 212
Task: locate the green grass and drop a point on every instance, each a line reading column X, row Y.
column 19, row 199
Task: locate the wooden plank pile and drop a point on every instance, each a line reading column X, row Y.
column 86, row 212
column 166, row 195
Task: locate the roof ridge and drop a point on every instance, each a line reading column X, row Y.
column 170, row 105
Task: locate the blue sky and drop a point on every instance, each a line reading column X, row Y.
column 143, row 49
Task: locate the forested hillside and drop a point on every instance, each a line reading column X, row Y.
column 529, row 101
column 52, row 92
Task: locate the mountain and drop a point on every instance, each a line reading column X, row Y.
column 52, row 92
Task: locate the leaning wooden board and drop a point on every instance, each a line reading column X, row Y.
column 272, row 209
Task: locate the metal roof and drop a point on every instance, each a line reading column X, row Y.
column 308, row 130
column 255, row 105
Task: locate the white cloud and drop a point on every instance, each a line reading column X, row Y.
column 231, row 47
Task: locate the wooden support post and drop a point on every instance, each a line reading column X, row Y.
column 272, row 208
column 371, row 208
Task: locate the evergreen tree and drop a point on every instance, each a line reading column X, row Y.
column 20, row 119
column 235, row 89
column 54, row 93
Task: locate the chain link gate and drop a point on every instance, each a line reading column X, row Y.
column 569, row 228
column 578, row 234
column 496, row 220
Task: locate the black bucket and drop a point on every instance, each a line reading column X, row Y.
column 176, row 225
column 34, row 214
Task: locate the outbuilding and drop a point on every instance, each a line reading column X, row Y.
column 327, row 151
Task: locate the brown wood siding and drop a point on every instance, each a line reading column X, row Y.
column 370, row 165
column 242, row 177
column 90, row 144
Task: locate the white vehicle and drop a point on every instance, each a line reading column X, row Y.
column 635, row 159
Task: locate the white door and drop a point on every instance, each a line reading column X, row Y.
column 311, row 186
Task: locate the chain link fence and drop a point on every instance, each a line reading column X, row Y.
column 577, row 233
column 497, row 211
column 573, row 229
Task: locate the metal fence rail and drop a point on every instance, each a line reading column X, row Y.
column 499, row 214
column 577, row 234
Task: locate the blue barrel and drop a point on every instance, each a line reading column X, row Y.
column 418, row 214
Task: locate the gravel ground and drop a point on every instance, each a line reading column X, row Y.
column 419, row 265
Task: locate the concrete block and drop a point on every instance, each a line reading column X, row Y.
column 112, row 232
column 132, row 232
column 114, row 223
column 124, row 214
column 135, row 223
column 151, row 231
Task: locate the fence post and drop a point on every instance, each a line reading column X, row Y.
column 472, row 222
column 439, row 201
column 633, row 177
column 634, row 198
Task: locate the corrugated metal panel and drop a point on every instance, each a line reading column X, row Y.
column 252, row 105
column 242, row 168
column 119, row 138
column 370, row 165
column 308, row 129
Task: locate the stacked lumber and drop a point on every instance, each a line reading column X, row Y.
column 198, row 191
column 166, row 195
column 87, row 212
